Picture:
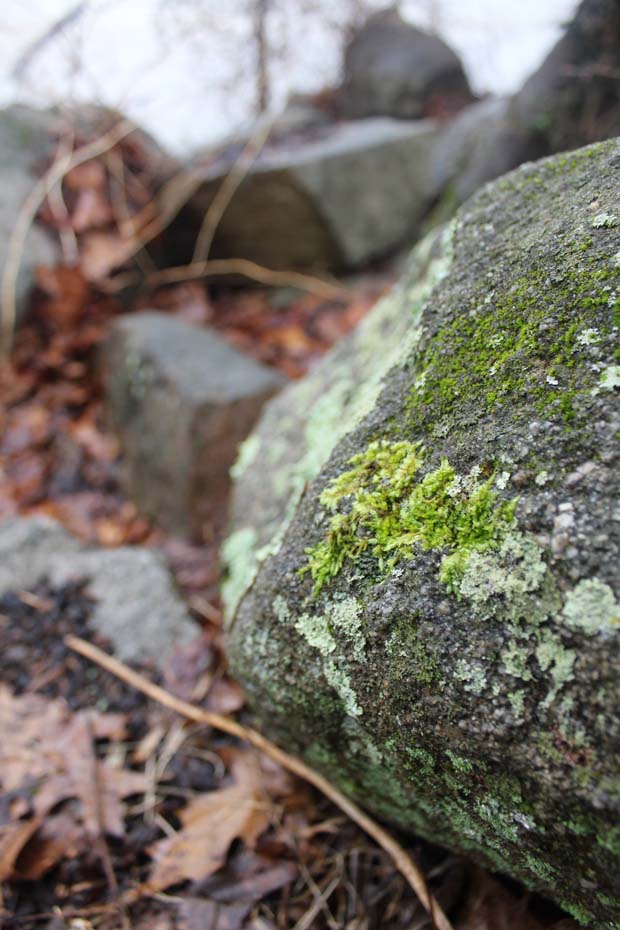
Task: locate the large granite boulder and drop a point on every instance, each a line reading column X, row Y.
column 423, row 594
column 391, row 68
column 335, row 199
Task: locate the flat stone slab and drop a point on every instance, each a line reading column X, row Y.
column 137, row 605
column 181, row 400
column 340, row 197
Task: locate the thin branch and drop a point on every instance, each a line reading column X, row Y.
column 227, row 190
column 27, row 57
column 399, row 856
column 234, row 266
column 26, row 217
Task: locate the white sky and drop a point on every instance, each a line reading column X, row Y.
column 183, row 69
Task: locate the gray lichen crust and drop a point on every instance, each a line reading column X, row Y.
column 423, row 595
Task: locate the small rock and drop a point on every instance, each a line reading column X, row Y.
column 181, row 400
column 137, row 605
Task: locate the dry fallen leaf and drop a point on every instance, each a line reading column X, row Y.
column 67, row 291
column 47, row 756
column 210, row 823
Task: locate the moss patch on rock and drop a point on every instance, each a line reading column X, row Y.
column 389, row 511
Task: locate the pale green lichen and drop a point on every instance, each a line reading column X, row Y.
column 238, row 554
column 381, row 506
column 514, row 569
column 604, row 221
column 472, row 674
column 248, row 450
column 517, row 702
column 345, row 616
column 557, row 659
column 319, row 631
column 341, row 683
column 610, row 378
column 516, row 661
column 281, row 609
column 315, row 630
column 591, row 608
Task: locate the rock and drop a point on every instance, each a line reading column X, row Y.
column 137, row 605
column 25, row 141
column 480, row 144
column 422, row 600
column 349, row 194
column 571, row 100
column 573, row 97
column 181, row 400
column 391, row 68
column 302, row 114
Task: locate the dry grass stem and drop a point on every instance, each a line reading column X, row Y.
column 27, row 214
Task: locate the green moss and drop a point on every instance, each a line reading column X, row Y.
column 248, row 450
column 521, row 342
column 460, row 763
column 540, row 869
column 423, row 761
column 380, row 506
column 335, row 399
column 410, row 660
column 610, row 840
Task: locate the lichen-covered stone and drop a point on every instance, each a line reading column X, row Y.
column 423, row 593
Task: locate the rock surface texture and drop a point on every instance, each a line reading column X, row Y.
column 137, row 605
column 393, row 69
column 423, row 595
column 181, row 400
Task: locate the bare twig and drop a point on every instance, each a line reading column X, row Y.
column 399, row 856
column 227, row 189
column 234, row 266
column 28, row 212
column 27, row 57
